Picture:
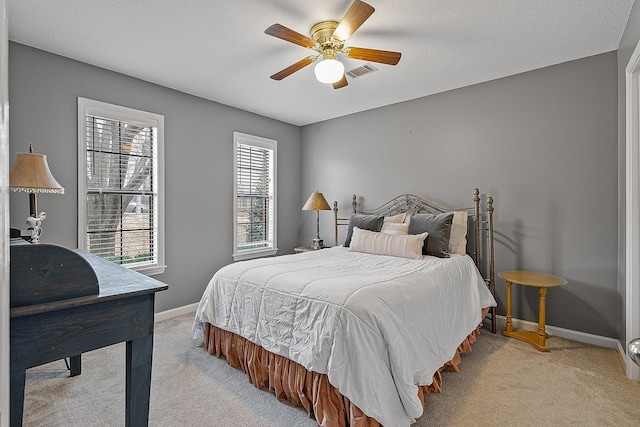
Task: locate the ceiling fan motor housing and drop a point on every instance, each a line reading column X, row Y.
column 323, row 31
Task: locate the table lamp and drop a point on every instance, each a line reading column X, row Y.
column 317, row 203
column 30, row 174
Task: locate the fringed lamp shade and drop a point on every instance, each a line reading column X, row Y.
column 30, row 174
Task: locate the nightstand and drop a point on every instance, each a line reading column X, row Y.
column 300, row 249
column 542, row 282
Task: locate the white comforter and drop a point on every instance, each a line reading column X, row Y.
column 378, row 326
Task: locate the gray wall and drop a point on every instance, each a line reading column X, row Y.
column 543, row 144
column 43, row 91
column 625, row 50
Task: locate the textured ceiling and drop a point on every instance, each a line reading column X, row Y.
column 218, row 50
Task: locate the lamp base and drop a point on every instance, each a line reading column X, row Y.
column 34, row 225
column 317, row 243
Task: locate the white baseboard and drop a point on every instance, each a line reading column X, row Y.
column 175, row 312
column 559, row 332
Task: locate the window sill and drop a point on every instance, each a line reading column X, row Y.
column 254, row 254
column 149, row 270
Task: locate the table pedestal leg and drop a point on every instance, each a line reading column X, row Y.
column 541, row 318
column 509, row 326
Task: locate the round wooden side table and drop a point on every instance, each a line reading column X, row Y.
column 542, row 282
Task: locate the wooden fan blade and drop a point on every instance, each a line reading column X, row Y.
column 355, row 16
column 373, row 55
column 293, row 68
column 341, row 83
column 287, row 34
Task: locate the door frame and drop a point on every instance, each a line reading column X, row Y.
column 4, row 217
column 632, row 210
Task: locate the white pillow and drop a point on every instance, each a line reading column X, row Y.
column 396, row 224
column 405, row 246
column 395, row 228
column 399, row 218
column 458, row 235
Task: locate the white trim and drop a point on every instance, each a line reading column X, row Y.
column 117, row 112
column 256, row 253
column 270, row 144
column 175, row 312
column 4, row 214
column 149, row 270
column 569, row 334
column 623, row 355
column 632, row 217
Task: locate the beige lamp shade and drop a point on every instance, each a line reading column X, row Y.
column 316, row 202
column 30, row 173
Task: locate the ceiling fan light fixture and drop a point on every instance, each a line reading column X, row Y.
column 329, row 70
column 328, row 39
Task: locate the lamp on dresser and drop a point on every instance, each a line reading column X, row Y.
column 317, row 203
column 30, row 173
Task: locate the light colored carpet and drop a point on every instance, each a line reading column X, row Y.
column 502, row 382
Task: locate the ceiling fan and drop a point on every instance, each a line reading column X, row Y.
column 328, row 39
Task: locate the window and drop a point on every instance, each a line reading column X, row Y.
column 120, row 185
column 255, row 196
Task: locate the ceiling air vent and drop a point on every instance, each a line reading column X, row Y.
column 361, row 71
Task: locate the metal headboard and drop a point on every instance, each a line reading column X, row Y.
column 482, row 222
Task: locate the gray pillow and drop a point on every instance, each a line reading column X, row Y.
column 363, row 222
column 439, row 229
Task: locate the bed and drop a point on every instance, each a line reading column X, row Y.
column 358, row 334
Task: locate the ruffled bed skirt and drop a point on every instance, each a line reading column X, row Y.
column 310, row 390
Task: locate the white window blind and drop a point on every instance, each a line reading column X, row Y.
column 121, row 199
column 255, row 196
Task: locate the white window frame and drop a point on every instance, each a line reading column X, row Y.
column 117, row 112
column 246, row 139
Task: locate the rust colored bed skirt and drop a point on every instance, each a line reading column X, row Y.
column 310, row 390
